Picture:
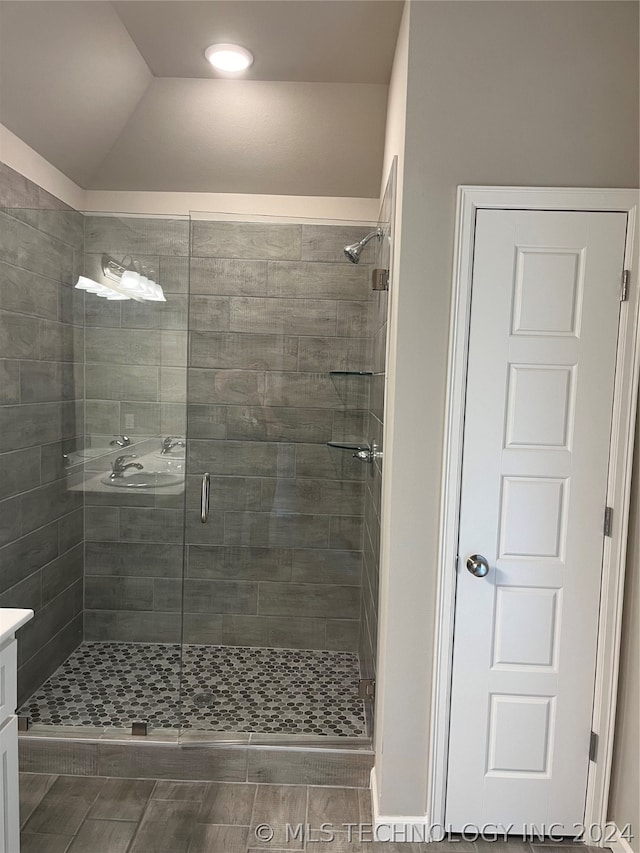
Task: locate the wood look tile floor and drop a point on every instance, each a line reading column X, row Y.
column 80, row 814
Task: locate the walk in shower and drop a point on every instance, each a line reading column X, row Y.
column 182, row 500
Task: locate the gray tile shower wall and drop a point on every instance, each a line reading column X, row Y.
column 41, row 419
column 267, row 312
column 274, row 309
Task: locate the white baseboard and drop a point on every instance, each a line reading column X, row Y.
column 619, row 844
column 398, row 828
column 416, row 828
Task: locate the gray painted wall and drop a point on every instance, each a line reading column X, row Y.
column 528, row 94
column 624, row 798
column 41, row 418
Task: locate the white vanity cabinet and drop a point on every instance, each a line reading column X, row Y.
column 10, row 620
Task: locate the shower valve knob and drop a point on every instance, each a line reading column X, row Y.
column 368, row 454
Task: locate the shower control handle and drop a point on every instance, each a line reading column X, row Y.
column 204, row 498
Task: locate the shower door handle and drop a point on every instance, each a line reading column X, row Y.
column 204, row 498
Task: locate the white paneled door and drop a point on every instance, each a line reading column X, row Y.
column 542, row 353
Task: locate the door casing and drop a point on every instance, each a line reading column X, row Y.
column 469, row 200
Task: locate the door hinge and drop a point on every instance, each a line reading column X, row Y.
column 366, row 688
column 593, row 747
column 380, row 280
column 608, row 520
column 624, row 292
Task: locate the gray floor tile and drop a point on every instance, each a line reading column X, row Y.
column 335, row 806
column 391, row 847
column 33, row 787
column 227, row 804
column 365, row 805
column 104, row 836
column 193, row 791
column 41, row 842
column 278, row 807
column 336, row 842
column 344, row 769
column 64, row 807
column 167, row 827
column 122, row 799
column 554, row 847
column 512, row 845
column 208, row 838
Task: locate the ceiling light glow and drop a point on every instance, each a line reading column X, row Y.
column 229, row 57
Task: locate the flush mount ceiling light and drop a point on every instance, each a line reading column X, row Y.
column 229, row 57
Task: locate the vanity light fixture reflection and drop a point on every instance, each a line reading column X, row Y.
column 128, row 279
column 124, row 283
column 101, row 290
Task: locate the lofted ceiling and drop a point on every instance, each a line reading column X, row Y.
column 313, row 41
column 119, row 96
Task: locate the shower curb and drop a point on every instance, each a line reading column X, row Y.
column 220, row 760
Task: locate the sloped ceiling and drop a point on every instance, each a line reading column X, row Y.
column 119, row 96
column 70, row 79
column 313, row 41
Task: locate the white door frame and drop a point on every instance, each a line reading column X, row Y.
column 469, row 200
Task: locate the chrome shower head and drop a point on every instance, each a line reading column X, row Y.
column 354, row 250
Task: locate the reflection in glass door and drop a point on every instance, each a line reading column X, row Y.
column 127, row 286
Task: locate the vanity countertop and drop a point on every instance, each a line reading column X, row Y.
column 12, row 618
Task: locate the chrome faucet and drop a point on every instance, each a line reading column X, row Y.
column 118, row 467
column 120, row 441
column 169, row 443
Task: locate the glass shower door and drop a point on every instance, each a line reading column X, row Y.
column 279, row 365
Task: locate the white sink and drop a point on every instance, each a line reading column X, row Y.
column 143, row 480
column 93, row 452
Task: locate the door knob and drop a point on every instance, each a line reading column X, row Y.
column 477, row 565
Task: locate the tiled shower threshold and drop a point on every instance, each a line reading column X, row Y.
column 170, row 754
column 195, row 738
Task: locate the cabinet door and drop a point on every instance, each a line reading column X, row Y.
column 8, row 680
column 9, row 803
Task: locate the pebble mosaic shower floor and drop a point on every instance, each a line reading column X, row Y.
column 225, row 688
